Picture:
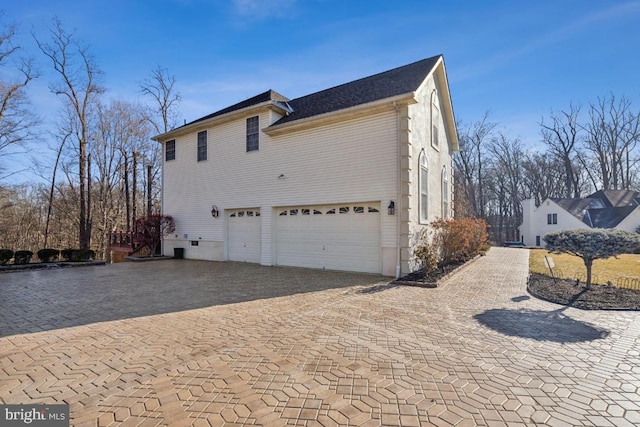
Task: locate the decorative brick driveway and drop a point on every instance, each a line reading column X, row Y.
column 191, row 343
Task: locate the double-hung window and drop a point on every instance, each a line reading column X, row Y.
column 435, row 120
column 445, row 193
column 202, row 145
column 423, row 182
column 253, row 142
column 552, row 218
column 170, row 150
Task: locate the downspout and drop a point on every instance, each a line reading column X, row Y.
column 399, row 192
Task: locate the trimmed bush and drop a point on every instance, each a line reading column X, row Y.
column 22, row 257
column 77, row 255
column 48, row 255
column 592, row 244
column 83, row 255
column 66, row 254
column 5, row 256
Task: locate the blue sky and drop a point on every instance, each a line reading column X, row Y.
column 518, row 59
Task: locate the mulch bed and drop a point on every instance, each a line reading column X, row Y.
column 599, row 297
column 419, row 278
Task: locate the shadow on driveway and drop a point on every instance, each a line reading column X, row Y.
column 540, row 325
column 41, row 300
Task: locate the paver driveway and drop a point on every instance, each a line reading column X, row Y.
column 475, row 351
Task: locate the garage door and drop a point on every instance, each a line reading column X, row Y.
column 337, row 237
column 244, row 235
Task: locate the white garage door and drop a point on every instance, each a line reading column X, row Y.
column 337, row 237
column 244, row 235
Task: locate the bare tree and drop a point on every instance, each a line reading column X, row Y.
column 507, row 157
column 16, row 121
column 613, row 132
column 562, row 137
column 161, row 87
column 543, row 177
column 470, row 162
column 77, row 85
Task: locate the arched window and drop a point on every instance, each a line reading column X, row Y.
column 423, row 182
column 435, row 119
column 445, row 193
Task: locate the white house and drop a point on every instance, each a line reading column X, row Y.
column 618, row 209
column 341, row 179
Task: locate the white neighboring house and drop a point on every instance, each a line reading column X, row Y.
column 342, row 179
column 619, row 209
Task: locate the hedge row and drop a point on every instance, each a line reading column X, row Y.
column 46, row 255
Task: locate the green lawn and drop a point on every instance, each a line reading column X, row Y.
column 623, row 271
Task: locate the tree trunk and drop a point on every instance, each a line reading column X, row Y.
column 134, row 190
column 588, row 262
column 88, row 212
column 127, row 200
column 82, row 176
column 149, row 188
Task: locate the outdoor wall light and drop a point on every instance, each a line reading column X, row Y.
column 281, row 176
column 214, row 211
column 391, row 209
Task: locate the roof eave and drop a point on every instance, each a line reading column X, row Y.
column 386, row 104
column 217, row 120
column 452, row 130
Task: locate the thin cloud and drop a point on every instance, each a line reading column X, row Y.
column 262, row 9
column 567, row 31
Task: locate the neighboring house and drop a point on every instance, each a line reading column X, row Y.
column 618, row 209
column 341, row 179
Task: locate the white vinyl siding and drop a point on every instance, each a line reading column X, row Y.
column 345, row 162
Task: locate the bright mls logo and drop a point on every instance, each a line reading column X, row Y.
column 34, row 415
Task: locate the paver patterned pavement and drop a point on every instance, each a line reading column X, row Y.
column 157, row 350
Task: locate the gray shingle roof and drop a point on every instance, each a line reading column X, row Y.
column 390, row 83
column 269, row 95
column 398, row 81
column 602, row 209
column 608, row 217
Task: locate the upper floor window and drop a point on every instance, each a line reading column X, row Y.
column 435, row 119
column 253, row 142
column 423, row 182
column 445, row 193
column 202, row 145
column 552, row 218
column 170, row 150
